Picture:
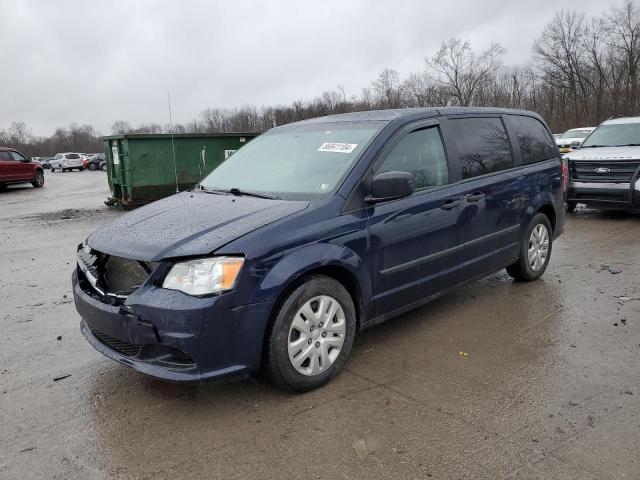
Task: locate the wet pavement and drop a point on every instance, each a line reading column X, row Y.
column 495, row 380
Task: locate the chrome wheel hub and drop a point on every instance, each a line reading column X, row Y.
column 538, row 247
column 316, row 335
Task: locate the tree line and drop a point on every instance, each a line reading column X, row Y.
column 582, row 70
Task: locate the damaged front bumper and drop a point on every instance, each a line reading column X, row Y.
column 173, row 336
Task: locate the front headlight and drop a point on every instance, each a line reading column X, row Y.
column 204, row 276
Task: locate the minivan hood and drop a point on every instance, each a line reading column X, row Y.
column 605, row 153
column 188, row 224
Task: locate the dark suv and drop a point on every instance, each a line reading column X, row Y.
column 18, row 168
column 315, row 231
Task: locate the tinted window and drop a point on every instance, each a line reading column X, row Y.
column 5, row 156
column 534, row 140
column 72, row 156
column 483, row 146
column 17, row 156
column 420, row 153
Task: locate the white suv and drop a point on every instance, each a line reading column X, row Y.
column 604, row 171
column 66, row 161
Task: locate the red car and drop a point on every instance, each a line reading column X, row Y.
column 18, row 168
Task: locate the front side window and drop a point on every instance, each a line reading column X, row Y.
column 305, row 160
column 614, row 135
column 420, row 153
column 482, row 144
column 533, row 139
column 17, row 156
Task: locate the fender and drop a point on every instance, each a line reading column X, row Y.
column 543, row 198
column 312, row 257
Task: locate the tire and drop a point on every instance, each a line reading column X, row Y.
column 316, row 344
column 38, row 179
column 523, row 269
column 104, row 167
column 3, row 187
column 92, row 166
column 571, row 207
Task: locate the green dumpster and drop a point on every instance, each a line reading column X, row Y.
column 141, row 167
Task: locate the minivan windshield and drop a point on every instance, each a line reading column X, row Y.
column 576, row 133
column 614, row 135
column 305, row 160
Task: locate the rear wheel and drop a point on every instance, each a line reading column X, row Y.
column 571, row 206
column 535, row 250
column 104, row 167
column 38, row 179
column 92, row 166
column 312, row 335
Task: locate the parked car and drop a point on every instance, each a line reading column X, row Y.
column 44, row 161
column 96, row 162
column 314, row 231
column 64, row 162
column 604, row 172
column 16, row 167
column 571, row 139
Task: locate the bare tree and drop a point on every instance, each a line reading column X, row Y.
column 386, row 88
column 462, row 71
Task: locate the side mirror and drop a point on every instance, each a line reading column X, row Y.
column 575, row 144
column 391, row 185
column 26, row 160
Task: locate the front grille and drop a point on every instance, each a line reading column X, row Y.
column 113, row 276
column 603, row 170
column 124, row 348
column 123, row 276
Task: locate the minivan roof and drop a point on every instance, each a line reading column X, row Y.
column 410, row 113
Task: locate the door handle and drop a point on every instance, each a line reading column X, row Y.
column 450, row 204
column 475, row 197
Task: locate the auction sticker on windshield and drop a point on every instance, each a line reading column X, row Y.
column 337, row 147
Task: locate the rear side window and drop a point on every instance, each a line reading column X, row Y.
column 533, row 139
column 483, row 146
column 5, row 156
column 420, row 153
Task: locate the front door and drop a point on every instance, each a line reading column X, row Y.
column 22, row 168
column 415, row 244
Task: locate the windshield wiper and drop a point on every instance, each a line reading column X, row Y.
column 234, row 191
column 238, row 192
column 198, row 187
column 629, row 145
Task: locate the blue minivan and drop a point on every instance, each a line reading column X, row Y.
column 315, row 231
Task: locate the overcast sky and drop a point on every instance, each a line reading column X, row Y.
column 94, row 62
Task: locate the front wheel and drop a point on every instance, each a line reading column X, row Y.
column 535, row 250
column 92, row 166
column 312, row 335
column 38, row 179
